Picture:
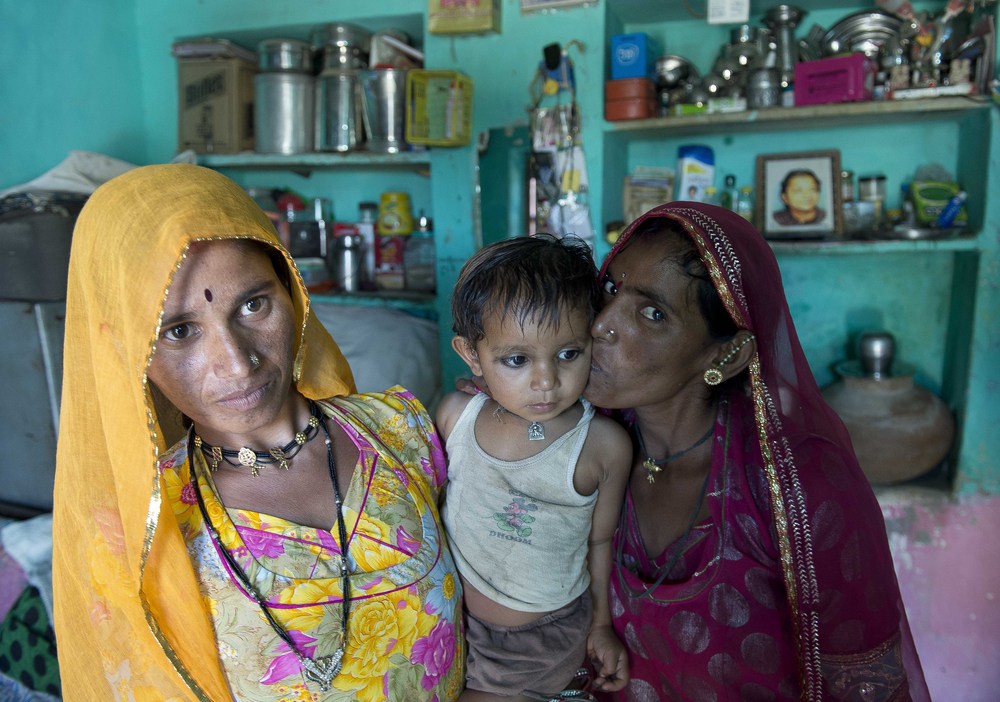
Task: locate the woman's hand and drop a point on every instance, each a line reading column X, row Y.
column 609, row 658
column 472, row 386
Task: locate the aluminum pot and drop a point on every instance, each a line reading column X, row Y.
column 338, row 110
column 284, row 112
column 284, row 55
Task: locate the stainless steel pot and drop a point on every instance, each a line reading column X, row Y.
column 338, row 110
column 284, row 112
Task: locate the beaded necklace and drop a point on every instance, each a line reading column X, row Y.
column 253, row 459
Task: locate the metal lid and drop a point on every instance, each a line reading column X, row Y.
column 288, row 55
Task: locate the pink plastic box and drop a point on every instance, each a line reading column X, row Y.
column 837, row 79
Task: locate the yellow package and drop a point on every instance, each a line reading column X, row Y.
column 463, row 16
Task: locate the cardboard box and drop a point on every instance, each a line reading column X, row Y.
column 215, row 105
column 633, row 56
column 837, row 79
column 468, row 17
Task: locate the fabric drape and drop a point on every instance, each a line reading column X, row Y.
column 128, row 615
column 788, row 503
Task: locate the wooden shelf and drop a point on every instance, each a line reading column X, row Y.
column 810, row 117
column 407, row 160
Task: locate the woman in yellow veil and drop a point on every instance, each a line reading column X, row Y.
column 213, row 463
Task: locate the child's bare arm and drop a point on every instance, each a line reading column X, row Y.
column 448, row 411
column 614, row 449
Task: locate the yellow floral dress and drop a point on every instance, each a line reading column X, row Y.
column 405, row 638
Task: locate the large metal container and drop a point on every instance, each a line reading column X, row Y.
column 284, row 112
column 338, row 110
column 384, row 97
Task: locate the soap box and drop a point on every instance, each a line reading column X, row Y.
column 633, row 56
column 838, row 79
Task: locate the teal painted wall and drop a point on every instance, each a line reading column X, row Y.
column 70, row 80
column 100, row 77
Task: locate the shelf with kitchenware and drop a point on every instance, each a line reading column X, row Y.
column 416, row 161
column 806, row 117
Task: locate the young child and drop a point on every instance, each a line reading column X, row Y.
column 536, row 479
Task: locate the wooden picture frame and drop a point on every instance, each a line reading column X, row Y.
column 798, row 195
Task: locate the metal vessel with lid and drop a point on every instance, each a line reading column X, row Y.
column 284, row 101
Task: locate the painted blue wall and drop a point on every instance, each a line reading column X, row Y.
column 100, row 77
column 69, row 79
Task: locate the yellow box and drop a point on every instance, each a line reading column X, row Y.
column 438, row 108
column 215, row 105
column 468, row 17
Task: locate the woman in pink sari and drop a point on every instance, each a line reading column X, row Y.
column 751, row 558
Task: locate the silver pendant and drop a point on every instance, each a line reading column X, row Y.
column 536, row 432
column 323, row 670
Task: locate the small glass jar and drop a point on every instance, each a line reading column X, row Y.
column 847, row 186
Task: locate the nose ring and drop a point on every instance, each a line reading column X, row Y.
column 611, row 333
column 254, row 360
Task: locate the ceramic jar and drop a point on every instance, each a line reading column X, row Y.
column 899, row 429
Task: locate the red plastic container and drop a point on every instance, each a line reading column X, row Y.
column 837, row 79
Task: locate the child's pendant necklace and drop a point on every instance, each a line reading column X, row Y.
column 536, row 431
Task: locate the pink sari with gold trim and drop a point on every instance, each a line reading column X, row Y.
column 788, row 590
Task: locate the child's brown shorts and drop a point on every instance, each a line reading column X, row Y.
column 539, row 657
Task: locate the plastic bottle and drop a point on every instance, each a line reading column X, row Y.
column 951, row 210
column 695, row 171
column 730, row 195
column 744, row 204
column 367, row 214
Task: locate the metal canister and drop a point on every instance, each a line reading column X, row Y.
column 347, row 263
column 284, row 112
column 338, row 110
column 284, row 100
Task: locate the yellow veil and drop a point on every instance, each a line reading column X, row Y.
column 128, row 614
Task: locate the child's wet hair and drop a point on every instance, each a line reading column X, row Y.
column 530, row 278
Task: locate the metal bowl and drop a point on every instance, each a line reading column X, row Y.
column 673, row 70
column 866, row 31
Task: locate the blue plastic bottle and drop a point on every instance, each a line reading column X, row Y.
column 951, row 210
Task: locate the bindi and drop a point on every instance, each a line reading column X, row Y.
column 208, row 294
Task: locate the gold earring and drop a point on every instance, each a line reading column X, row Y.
column 713, row 376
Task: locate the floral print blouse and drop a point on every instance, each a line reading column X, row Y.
column 405, row 639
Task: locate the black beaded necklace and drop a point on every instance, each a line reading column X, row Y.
column 253, row 459
column 320, row 670
column 654, row 465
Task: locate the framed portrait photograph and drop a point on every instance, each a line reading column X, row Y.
column 798, row 195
